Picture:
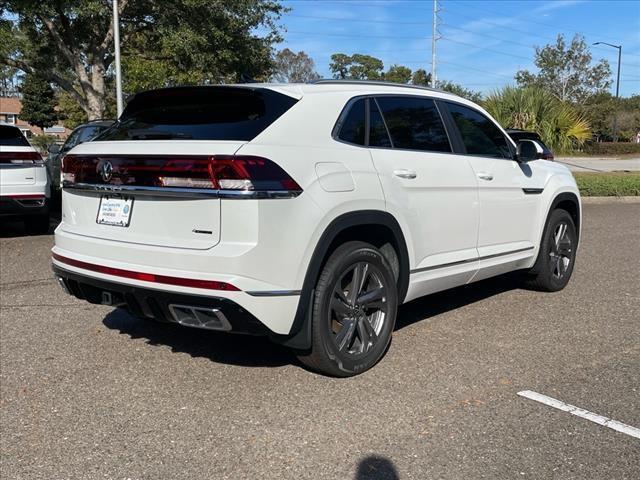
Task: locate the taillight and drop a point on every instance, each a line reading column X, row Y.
column 216, row 172
column 21, row 158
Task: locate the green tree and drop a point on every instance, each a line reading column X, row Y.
column 559, row 124
column 340, row 65
column 293, row 67
column 459, row 90
column 365, row 67
column 38, row 102
column 421, row 77
column 398, row 74
column 356, row 67
column 567, row 71
column 70, row 43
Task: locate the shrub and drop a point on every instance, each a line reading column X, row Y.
column 559, row 125
column 611, row 148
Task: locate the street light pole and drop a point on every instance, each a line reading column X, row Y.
column 116, row 41
column 615, row 114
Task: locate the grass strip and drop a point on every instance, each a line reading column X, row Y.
column 609, row 184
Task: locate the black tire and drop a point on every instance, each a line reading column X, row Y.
column 364, row 323
column 556, row 258
column 37, row 224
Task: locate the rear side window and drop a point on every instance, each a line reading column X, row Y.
column 199, row 113
column 12, row 137
column 479, row 134
column 378, row 136
column 354, row 126
column 414, row 123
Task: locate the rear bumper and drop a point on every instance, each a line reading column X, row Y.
column 156, row 304
column 23, row 205
column 274, row 310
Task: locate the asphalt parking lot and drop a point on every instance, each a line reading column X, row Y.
column 89, row 392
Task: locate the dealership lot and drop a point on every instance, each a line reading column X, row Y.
column 89, row 392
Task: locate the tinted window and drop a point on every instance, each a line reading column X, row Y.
column 353, row 127
column 414, row 123
column 479, row 134
column 199, row 113
column 378, row 136
column 12, row 137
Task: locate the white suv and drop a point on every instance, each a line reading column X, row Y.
column 24, row 184
column 307, row 213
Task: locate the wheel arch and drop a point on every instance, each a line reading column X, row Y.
column 372, row 226
column 569, row 202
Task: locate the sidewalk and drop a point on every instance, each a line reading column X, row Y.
column 593, row 164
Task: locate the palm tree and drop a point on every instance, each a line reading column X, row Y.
column 561, row 127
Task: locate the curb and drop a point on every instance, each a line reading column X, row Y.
column 609, row 200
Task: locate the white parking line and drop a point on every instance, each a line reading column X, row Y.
column 579, row 412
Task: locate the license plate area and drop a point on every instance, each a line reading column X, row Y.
column 114, row 211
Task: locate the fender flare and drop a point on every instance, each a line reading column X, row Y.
column 561, row 197
column 300, row 335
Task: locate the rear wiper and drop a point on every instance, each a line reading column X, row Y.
column 156, row 135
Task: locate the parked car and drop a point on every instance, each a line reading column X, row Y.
column 82, row 133
column 307, row 212
column 24, row 184
column 517, row 135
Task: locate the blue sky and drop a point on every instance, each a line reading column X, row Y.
column 483, row 43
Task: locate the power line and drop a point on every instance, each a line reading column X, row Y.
column 485, row 48
column 529, row 20
column 351, row 35
column 466, row 67
column 357, row 20
column 482, row 34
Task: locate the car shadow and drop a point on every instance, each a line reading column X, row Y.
column 250, row 351
column 231, row 349
column 437, row 303
column 15, row 228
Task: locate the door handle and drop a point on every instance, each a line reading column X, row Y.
column 409, row 174
column 485, row 176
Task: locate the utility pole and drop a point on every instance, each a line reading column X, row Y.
column 615, row 114
column 116, row 41
column 433, row 43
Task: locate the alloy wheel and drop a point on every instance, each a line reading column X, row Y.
column 358, row 308
column 561, row 251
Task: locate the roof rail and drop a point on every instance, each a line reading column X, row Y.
column 329, row 81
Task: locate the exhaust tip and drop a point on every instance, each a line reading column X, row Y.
column 200, row 317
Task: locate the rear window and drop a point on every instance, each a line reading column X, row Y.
column 12, row 137
column 199, row 113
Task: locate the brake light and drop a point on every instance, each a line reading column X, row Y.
column 216, row 172
column 21, row 158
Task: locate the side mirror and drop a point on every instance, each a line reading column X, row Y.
column 54, row 148
column 528, row 150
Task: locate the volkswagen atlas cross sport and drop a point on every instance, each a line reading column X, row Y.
column 306, row 212
column 24, row 183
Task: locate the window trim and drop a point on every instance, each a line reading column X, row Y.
column 458, row 136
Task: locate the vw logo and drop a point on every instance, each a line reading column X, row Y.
column 106, row 171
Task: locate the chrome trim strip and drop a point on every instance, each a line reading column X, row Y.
column 532, row 191
column 131, row 190
column 275, row 293
column 460, row 262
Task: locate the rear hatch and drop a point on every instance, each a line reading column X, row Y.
column 18, row 160
column 157, row 176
